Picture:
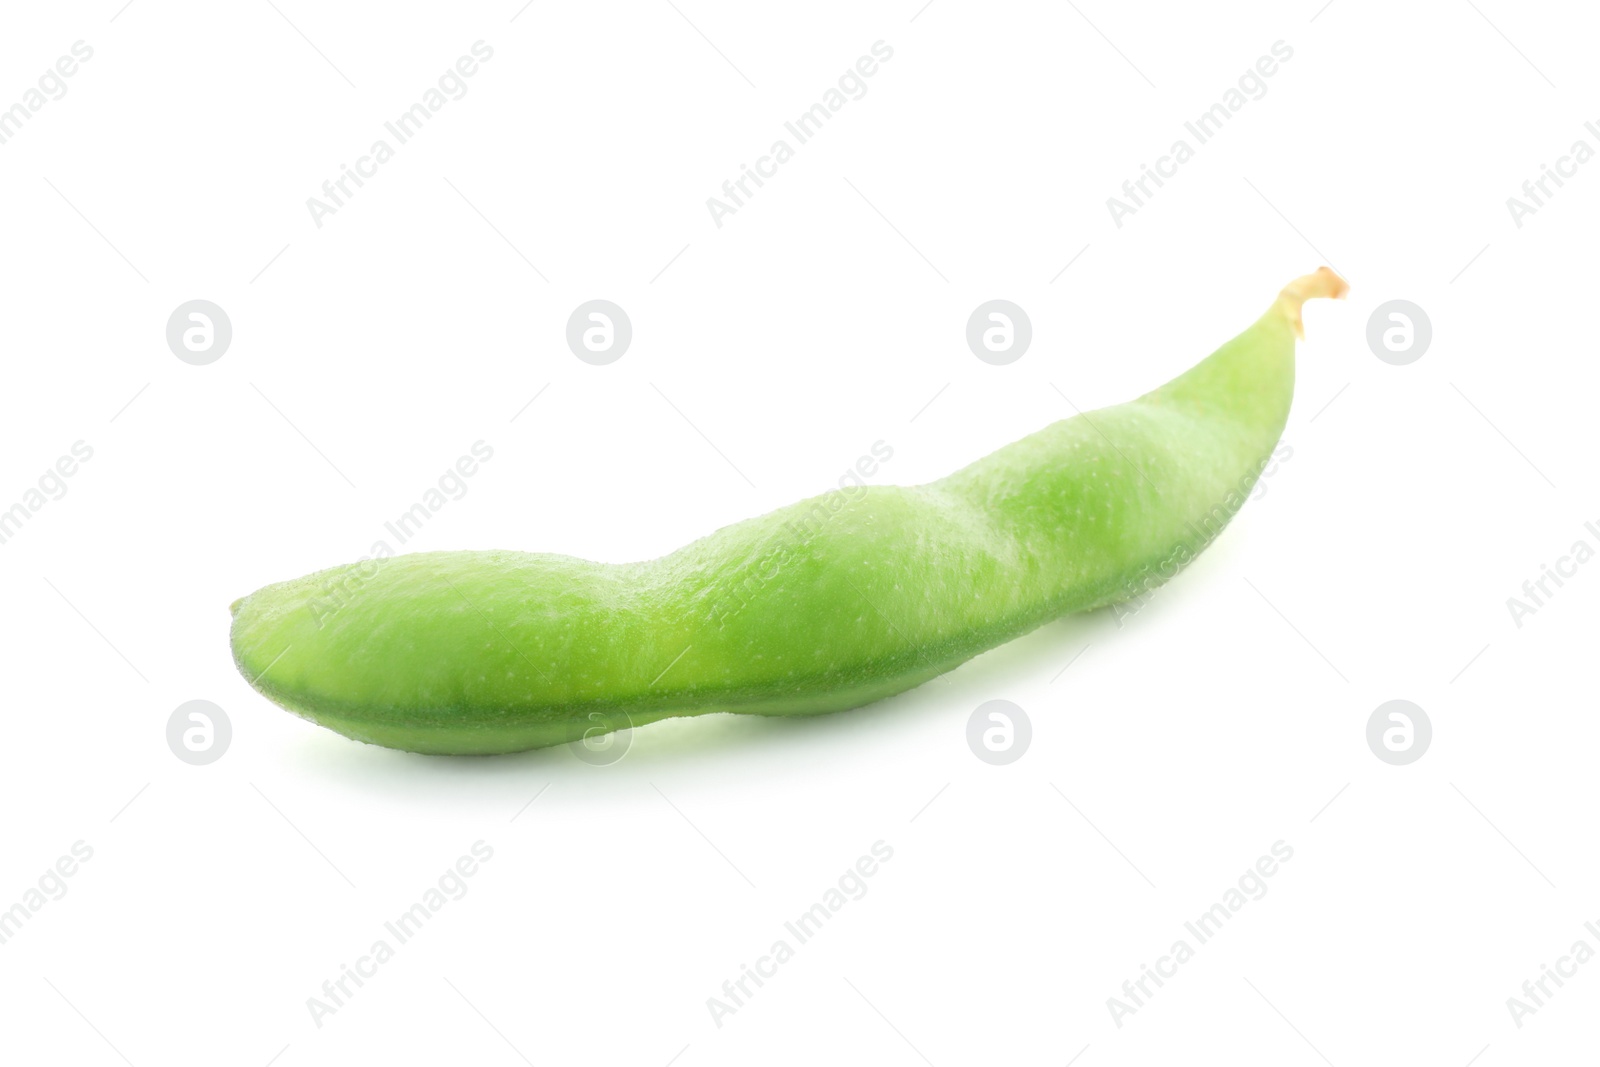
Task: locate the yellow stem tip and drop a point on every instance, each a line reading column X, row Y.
column 1324, row 283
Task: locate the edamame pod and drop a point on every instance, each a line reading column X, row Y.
column 828, row 604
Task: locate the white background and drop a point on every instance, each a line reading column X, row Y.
column 826, row 315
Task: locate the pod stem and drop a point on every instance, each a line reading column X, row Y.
column 1324, row 283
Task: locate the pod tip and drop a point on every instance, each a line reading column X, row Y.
column 1323, row 283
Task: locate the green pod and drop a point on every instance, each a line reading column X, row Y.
column 828, row 604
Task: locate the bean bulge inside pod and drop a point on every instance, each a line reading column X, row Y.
column 825, row 605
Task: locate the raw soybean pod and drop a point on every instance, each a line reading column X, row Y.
column 824, row 605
